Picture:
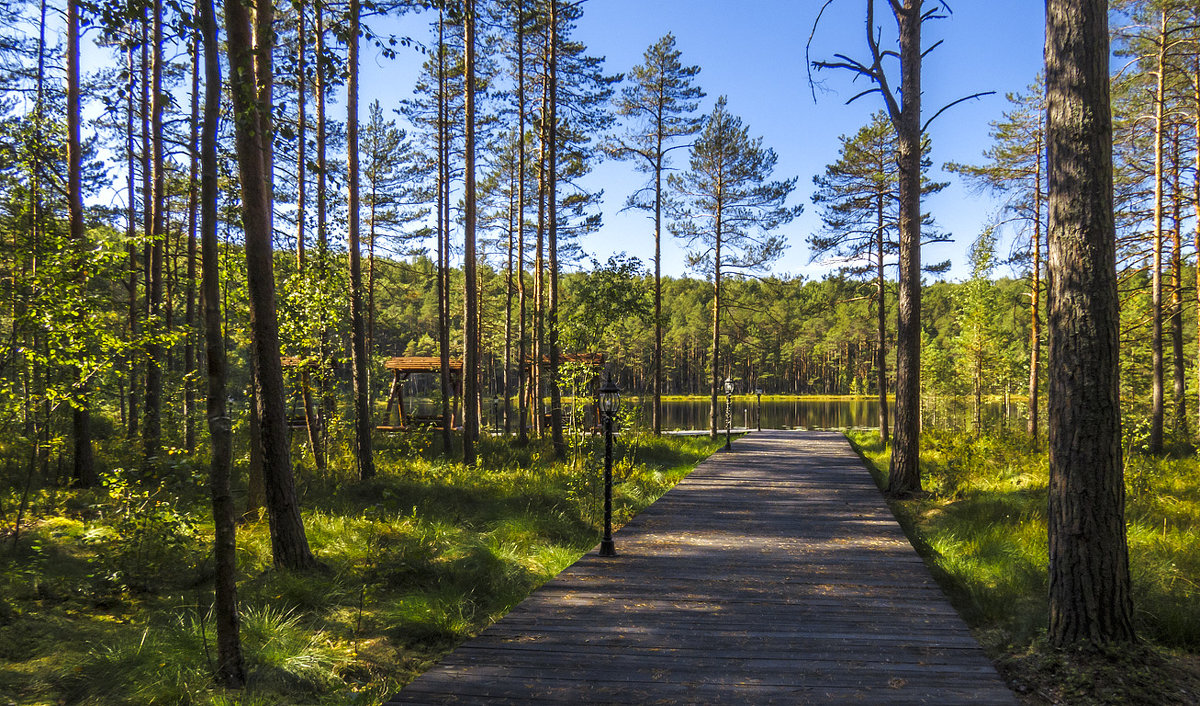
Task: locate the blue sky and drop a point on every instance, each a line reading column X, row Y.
column 753, row 52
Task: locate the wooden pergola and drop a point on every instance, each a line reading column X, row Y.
column 404, row 366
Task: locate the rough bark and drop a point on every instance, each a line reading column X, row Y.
column 312, row 420
column 152, row 423
column 288, row 542
column 716, row 319
column 522, row 333
column 556, row 416
column 189, row 341
column 1090, row 601
column 881, row 319
column 1035, row 294
column 1156, row 303
column 134, row 418
column 358, row 335
column 231, row 667
column 1196, row 203
column 656, row 415
column 905, row 473
column 509, row 291
column 84, row 471
column 322, row 128
column 470, row 375
column 443, row 265
column 1178, row 392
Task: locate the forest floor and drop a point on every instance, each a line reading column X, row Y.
column 981, row 527
column 105, row 597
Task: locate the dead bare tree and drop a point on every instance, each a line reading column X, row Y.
column 905, row 114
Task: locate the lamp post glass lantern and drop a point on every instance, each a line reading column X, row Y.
column 728, row 412
column 610, row 403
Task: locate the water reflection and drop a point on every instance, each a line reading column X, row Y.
column 815, row 413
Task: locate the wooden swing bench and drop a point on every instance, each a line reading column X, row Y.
column 402, row 367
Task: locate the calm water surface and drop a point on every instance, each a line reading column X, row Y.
column 798, row 412
column 809, row 413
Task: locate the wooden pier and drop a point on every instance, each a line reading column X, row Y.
column 772, row 574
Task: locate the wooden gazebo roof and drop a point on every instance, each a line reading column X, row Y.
column 420, row 364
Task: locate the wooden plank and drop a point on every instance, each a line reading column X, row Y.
column 420, row 364
column 774, row 574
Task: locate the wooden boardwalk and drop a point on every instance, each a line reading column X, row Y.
column 773, row 574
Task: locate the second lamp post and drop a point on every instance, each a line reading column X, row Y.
column 728, row 413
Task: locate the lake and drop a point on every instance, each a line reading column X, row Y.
column 780, row 412
column 815, row 412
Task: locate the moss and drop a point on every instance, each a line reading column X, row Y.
column 416, row 560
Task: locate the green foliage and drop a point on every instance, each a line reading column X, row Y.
column 727, row 206
column 983, row 528
column 148, row 542
column 107, row 599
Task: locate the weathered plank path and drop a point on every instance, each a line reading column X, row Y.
column 773, row 574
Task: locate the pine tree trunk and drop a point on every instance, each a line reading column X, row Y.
column 134, row 418
column 326, row 394
column 84, row 471
column 508, row 299
column 539, row 281
column 470, row 294
column 716, row 329
column 556, row 416
column 1090, row 601
column 152, row 430
column 1178, row 392
column 1196, row 211
column 301, row 135
column 443, row 266
column 288, row 542
column 522, row 332
column 312, row 421
column 881, row 319
column 358, row 335
column 189, row 347
column 231, row 667
column 658, row 322
column 256, row 491
column 905, row 475
column 322, row 189
column 1035, row 292
column 1156, row 304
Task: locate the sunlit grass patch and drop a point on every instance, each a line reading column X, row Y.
column 413, row 561
column 982, row 527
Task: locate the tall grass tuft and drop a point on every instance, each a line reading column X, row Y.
column 105, row 600
column 982, row 526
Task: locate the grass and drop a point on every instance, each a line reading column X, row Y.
column 106, row 599
column 981, row 527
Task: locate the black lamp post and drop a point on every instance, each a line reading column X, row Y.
column 758, row 394
column 610, row 402
column 496, row 411
column 728, row 413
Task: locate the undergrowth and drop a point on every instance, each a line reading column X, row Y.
column 106, row 597
column 981, row 526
